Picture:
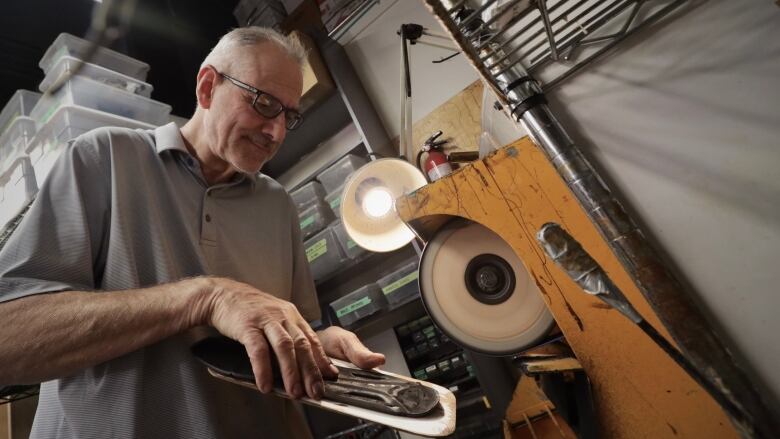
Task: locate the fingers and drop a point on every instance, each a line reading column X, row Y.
column 326, row 367
column 358, row 354
column 309, row 370
column 284, row 347
column 260, row 357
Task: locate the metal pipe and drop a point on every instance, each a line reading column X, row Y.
column 568, row 254
column 673, row 305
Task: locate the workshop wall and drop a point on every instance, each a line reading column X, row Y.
column 685, row 124
column 375, row 50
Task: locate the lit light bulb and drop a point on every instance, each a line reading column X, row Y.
column 377, row 202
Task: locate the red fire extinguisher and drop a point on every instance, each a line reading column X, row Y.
column 436, row 165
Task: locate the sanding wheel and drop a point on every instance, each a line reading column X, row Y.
column 479, row 293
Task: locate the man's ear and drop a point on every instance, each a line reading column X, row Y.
column 204, row 89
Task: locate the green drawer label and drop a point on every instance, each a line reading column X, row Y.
column 400, row 282
column 335, row 203
column 318, row 249
column 351, row 244
column 353, row 306
column 307, row 221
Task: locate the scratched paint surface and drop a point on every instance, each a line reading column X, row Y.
column 639, row 391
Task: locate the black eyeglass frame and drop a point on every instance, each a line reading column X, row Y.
column 290, row 122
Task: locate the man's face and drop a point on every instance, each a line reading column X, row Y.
column 238, row 135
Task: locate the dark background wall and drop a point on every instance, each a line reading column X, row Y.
column 172, row 36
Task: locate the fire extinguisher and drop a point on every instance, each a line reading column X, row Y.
column 436, row 165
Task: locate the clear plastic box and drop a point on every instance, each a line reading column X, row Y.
column 68, row 64
column 400, row 286
column 323, row 253
column 68, row 122
column 20, row 105
column 307, row 195
column 337, row 174
column 17, row 189
column 14, row 141
column 334, row 201
column 359, row 304
column 70, row 45
column 85, row 92
column 314, row 219
column 352, row 250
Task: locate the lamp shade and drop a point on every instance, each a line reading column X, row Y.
column 368, row 204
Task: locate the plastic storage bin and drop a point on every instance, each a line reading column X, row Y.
column 401, row 285
column 352, row 250
column 68, row 122
column 314, row 219
column 307, row 195
column 21, row 104
column 17, row 189
column 68, row 64
column 359, row 304
column 86, row 92
column 334, row 200
column 14, row 141
column 337, row 174
column 323, row 253
column 69, row 45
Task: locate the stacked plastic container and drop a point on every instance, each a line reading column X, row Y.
column 324, row 254
column 401, row 285
column 319, row 206
column 109, row 90
column 359, row 304
column 337, row 174
column 17, row 181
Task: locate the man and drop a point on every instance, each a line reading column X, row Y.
column 140, row 242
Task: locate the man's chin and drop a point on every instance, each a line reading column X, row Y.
column 248, row 169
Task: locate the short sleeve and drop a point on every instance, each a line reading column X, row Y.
column 304, row 294
column 57, row 245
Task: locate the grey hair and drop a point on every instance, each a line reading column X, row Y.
column 223, row 54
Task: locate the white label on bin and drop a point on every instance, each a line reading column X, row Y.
column 399, row 283
column 354, row 306
column 307, row 221
column 318, row 249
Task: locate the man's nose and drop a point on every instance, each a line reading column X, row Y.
column 276, row 127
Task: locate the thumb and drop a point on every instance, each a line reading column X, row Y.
column 361, row 356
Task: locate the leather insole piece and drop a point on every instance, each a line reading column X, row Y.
column 361, row 388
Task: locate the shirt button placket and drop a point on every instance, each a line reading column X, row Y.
column 209, row 229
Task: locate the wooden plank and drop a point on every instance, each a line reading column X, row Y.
column 458, row 118
column 548, row 365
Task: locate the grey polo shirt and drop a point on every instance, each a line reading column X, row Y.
column 126, row 209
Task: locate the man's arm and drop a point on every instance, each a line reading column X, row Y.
column 52, row 335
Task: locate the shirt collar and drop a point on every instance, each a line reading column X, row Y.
column 168, row 137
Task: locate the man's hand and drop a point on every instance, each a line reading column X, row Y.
column 262, row 322
column 344, row 345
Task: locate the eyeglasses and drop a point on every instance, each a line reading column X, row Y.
column 267, row 105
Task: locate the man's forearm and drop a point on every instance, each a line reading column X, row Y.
column 56, row 334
